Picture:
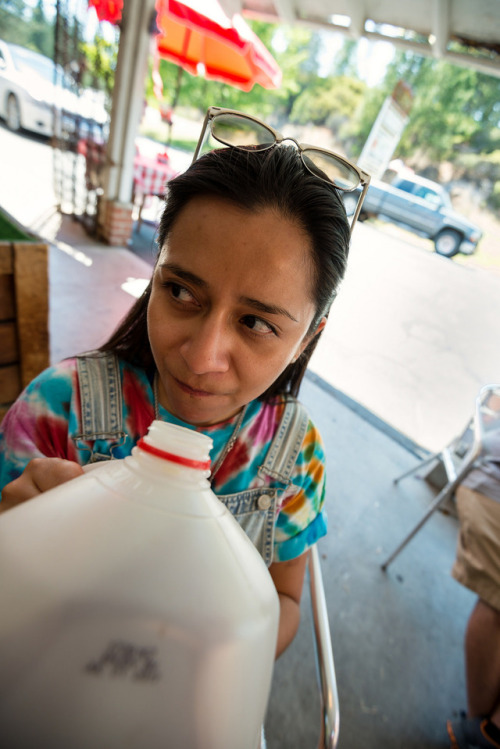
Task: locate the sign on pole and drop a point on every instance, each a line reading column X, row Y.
column 386, row 131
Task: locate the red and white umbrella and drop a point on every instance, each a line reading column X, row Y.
column 198, row 36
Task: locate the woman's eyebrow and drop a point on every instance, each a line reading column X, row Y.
column 269, row 309
column 186, row 275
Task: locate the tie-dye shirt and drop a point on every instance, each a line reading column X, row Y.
column 46, row 415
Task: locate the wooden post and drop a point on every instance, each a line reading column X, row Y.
column 24, row 317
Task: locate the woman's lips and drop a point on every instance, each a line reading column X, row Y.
column 193, row 391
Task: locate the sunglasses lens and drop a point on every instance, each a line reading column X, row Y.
column 327, row 166
column 237, row 130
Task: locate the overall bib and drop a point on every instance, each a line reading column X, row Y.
column 254, row 509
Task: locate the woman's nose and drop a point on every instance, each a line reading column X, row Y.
column 207, row 348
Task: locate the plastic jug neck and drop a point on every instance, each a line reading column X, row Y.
column 202, row 465
column 178, row 448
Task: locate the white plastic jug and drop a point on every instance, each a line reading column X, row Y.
column 134, row 611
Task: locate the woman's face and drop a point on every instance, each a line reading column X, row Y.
column 230, row 307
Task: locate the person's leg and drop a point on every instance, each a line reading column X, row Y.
column 482, row 662
column 477, row 566
column 481, row 726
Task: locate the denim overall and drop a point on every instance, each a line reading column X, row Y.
column 254, row 509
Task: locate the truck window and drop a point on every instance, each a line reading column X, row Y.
column 404, row 184
column 432, row 197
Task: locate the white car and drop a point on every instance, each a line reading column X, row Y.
column 33, row 90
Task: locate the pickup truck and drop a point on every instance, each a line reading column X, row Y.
column 423, row 207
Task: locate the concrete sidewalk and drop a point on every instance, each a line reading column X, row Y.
column 92, row 286
column 397, row 636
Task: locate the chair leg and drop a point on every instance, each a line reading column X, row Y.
column 443, row 495
column 440, row 499
column 415, row 468
column 325, row 667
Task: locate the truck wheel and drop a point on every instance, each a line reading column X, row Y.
column 13, row 117
column 448, row 242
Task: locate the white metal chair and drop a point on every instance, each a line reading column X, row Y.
column 458, row 457
column 325, row 667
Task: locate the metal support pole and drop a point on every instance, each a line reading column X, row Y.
column 128, row 99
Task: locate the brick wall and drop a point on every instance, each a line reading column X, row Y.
column 116, row 226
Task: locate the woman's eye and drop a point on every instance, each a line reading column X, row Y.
column 257, row 325
column 180, row 293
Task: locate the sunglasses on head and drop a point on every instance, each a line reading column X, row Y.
column 238, row 130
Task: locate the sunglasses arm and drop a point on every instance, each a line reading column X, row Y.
column 204, row 135
column 360, row 203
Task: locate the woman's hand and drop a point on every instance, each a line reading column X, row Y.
column 39, row 475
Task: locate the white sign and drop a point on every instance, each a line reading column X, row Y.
column 383, row 139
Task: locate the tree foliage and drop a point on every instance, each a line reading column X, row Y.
column 12, row 13
column 454, row 108
column 26, row 26
column 331, row 102
column 41, row 31
column 455, row 117
column 99, row 63
column 92, row 64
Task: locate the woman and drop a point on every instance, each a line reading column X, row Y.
column 253, row 245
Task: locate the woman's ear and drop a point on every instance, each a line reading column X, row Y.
column 320, row 327
column 308, row 338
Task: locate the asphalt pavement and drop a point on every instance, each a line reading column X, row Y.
column 412, row 336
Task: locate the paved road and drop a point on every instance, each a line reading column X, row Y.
column 411, row 337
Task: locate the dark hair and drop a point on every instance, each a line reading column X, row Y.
column 255, row 180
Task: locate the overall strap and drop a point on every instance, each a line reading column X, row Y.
column 100, row 397
column 282, row 454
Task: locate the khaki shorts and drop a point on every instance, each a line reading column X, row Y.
column 477, row 564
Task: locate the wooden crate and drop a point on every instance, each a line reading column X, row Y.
column 24, row 316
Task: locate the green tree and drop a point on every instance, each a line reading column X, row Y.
column 345, row 60
column 41, row 32
column 355, row 131
column 99, row 63
column 13, row 21
column 330, row 101
column 298, row 56
column 26, row 26
column 455, row 109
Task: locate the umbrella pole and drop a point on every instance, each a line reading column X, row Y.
column 175, row 100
